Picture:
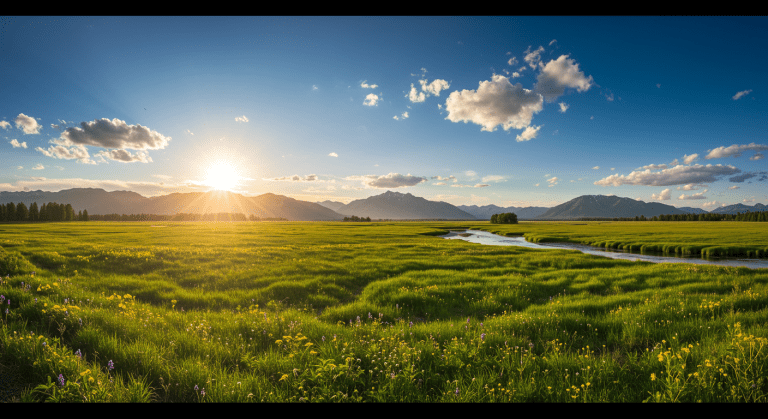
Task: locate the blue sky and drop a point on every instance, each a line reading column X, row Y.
column 468, row 110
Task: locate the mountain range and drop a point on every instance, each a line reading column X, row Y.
column 387, row 206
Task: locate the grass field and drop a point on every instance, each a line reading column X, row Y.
column 387, row 312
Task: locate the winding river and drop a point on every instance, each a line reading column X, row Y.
column 484, row 237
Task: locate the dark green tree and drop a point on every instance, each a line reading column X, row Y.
column 34, row 212
column 22, row 213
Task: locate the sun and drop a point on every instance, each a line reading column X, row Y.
column 222, row 176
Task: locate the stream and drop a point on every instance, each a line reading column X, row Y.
column 484, row 237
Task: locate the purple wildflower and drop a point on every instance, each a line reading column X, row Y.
column 61, row 380
column 482, row 336
column 45, row 344
column 323, row 338
column 196, row 388
column 79, row 354
column 467, row 319
column 369, row 315
column 410, row 324
column 110, row 365
column 457, row 391
column 202, row 392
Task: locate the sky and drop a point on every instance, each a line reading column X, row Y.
column 511, row 111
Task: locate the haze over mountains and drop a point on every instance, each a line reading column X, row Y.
column 387, row 206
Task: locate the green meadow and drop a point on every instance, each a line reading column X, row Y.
column 378, row 312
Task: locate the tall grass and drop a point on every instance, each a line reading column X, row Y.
column 220, row 312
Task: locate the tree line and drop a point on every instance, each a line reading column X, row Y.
column 753, row 216
column 51, row 211
column 356, row 218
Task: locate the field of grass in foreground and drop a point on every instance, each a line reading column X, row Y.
column 216, row 312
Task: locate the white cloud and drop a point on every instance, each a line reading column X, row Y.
column 529, row 133
column 38, row 167
column 371, row 100
column 439, row 183
column 124, row 156
column 613, row 168
column 241, row 119
column 734, row 187
column 451, row 177
column 665, row 195
column 552, row 42
column 653, row 167
column 690, row 159
column 674, row 163
column 113, row 134
column 516, row 74
column 460, row 186
column 563, row 107
column 757, row 156
column 559, row 74
column 596, row 168
column 746, row 200
column 4, row 124
column 699, row 195
column 533, row 57
column 713, row 204
column 480, row 185
column 495, row 102
column 365, row 85
column 493, row 178
column 678, row 175
column 512, row 61
column 78, row 152
column 415, row 96
column 734, row 150
column 552, row 181
column 537, row 184
column 333, row 154
column 28, row 124
column 435, row 87
column 16, row 144
column 393, row 180
column 471, row 173
column 738, row 95
column 19, row 167
column 403, row 116
column 296, row 178
column 690, row 187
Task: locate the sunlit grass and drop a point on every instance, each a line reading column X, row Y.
column 239, row 312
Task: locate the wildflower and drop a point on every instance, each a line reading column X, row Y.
column 653, row 377
column 369, row 315
column 196, row 388
column 457, row 391
column 61, row 380
column 202, row 392
column 482, row 336
column 323, row 338
column 45, row 344
column 79, row 354
column 410, row 324
column 110, row 365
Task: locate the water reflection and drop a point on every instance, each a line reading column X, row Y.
column 484, row 237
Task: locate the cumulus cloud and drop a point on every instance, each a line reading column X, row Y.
column 296, row 178
column 512, row 61
column 596, row 168
column 493, row 178
column 38, row 167
column 689, row 159
column 558, row 75
column 125, row 156
column 333, row 154
column 16, row 144
column 415, row 96
column 653, row 167
column 699, row 195
column 713, row 204
column 665, row 195
column 690, row 187
column 738, row 95
column 4, row 124
column 516, row 74
column 439, row 183
column 741, row 178
column 393, row 180
column 678, row 175
column 495, row 102
column 528, row 134
column 481, row 185
column 734, row 150
column 365, row 85
column 78, row 152
column 563, row 107
column 403, row 116
column 28, row 124
column 241, row 119
column 757, row 156
column 113, row 134
column 371, row 100
column 552, row 181
column 734, row 187
column 451, row 177
column 435, row 87
column 533, row 57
